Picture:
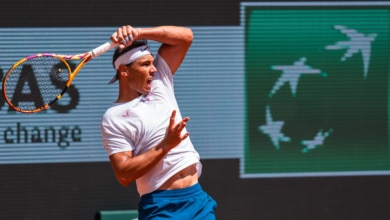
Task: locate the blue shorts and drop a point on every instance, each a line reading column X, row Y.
column 190, row 203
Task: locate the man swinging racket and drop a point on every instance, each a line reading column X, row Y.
column 143, row 131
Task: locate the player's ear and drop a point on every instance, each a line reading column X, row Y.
column 122, row 70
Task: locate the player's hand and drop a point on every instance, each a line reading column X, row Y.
column 125, row 36
column 175, row 134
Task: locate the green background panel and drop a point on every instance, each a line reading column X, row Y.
column 354, row 107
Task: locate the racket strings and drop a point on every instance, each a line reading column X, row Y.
column 37, row 82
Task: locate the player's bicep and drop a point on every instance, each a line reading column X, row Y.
column 173, row 55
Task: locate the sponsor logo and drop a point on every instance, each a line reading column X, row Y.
column 316, row 91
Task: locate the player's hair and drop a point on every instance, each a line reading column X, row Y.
column 118, row 51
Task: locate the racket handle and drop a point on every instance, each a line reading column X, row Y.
column 103, row 48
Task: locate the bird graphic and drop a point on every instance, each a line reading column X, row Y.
column 291, row 75
column 317, row 141
column 273, row 129
column 358, row 42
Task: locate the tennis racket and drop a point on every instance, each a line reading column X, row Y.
column 34, row 83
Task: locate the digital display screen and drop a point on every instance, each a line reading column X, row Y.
column 292, row 91
column 316, row 90
column 209, row 87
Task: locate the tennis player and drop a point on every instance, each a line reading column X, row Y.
column 144, row 132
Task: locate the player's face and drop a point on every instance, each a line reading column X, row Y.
column 141, row 74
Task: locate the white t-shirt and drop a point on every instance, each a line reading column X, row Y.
column 141, row 124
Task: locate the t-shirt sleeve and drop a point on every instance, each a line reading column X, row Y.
column 114, row 140
column 163, row 72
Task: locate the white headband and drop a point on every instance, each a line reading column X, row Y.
column 129, row 57
column 132, row 55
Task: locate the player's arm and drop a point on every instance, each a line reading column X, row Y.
column 128, row 168
column 176, row 41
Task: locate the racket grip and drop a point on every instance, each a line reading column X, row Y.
column 103, row 48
